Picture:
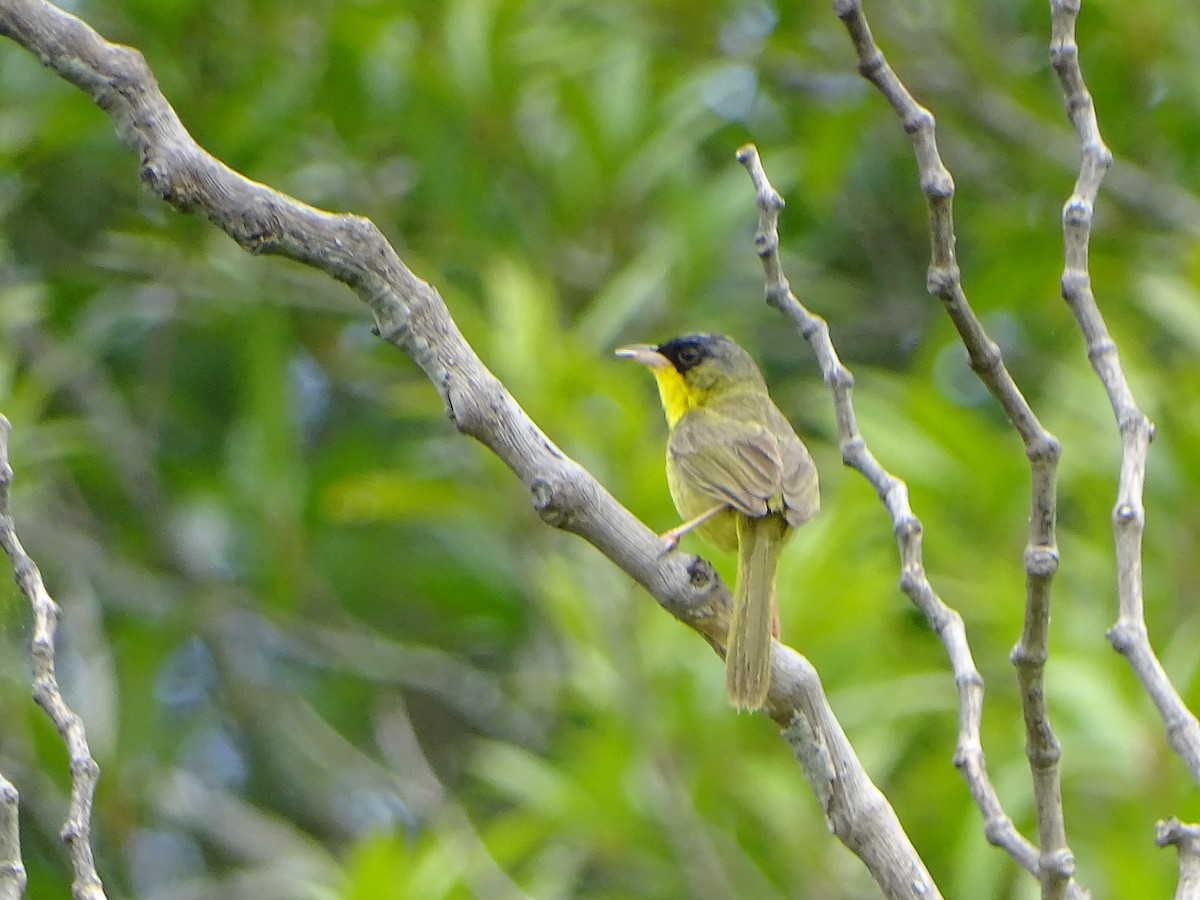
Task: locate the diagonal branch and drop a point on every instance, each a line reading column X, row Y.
column 77, row 829
column 411, row 315
column 1128, row 636
column 1055, row 863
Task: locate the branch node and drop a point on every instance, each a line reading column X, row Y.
column 1131, row 422
column 1045, row 752
column 941, row 281
column 839, row 377
column 852, row 450
column 85, row 767
column 1174, row 833
column 1063, row 53
column 1041, row 561
column 765, row 245
column 985, row 357
column 1064, row 7
column 1099, row 152
column 1075, row 284
column 968, row 679
column 920, row 119
column 701, row 573
column 843, row 9
column 870, row 63
column 909, row 581
column 1124, row 635
column 1076, row 212
column 1100, row 348
column 1023, row 655
column 1060, row 864
column 1046, row 449
column 938, row 185
column 547, row 503
column 778, row 294
column 907, row 528
column 1125, row 514
column 996, row 830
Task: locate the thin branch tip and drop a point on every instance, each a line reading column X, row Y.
column 1129, row 635
column 76, row 829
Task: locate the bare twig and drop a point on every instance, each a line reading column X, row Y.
column 1128, row 636
column 76, row 832
column 410, row 315
column 1055, row 862
column 1186, row 841
column 914, row 581
column 12, row 870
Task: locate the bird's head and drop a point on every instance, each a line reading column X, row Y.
column 692, row 368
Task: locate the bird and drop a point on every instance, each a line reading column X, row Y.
column 739, row 476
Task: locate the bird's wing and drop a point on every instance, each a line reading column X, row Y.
column 733, row 461
column 801, row 492
column 755, row 468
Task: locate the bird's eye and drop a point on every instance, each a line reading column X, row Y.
column 689, row 355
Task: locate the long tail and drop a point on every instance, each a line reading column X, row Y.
column 748, row 650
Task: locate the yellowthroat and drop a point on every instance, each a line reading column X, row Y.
column 740, row 476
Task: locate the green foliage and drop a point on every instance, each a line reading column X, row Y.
column 323, row 646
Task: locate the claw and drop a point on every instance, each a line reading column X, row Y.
column 668, row 542
column 670, row 539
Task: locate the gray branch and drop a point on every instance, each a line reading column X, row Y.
column 1128, row 636
column 914, row 581
column 945, row 622
column 410, row 315
column 1054, row 864
column 77, row 829
column 12, row 870
column 1186, row 841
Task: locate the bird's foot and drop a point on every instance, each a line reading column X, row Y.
column 667, row 542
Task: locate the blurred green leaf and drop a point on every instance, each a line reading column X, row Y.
column 214, row 447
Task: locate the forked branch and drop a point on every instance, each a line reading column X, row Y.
column 1186, row 841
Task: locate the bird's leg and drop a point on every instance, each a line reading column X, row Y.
column 670, row 539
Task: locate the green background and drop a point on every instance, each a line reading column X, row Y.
column 324, row 647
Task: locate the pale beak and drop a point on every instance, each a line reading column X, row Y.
column 645, row 354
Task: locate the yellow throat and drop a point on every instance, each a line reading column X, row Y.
column 677, row 397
